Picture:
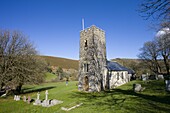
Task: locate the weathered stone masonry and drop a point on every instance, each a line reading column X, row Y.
column 92, row 60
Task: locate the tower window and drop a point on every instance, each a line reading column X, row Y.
column 85, row 43
column 86, row 67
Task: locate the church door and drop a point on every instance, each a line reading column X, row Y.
column 86, row 83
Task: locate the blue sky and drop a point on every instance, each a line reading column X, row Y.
column 54, row 25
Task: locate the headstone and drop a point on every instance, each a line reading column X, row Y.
column 38, row 96
column 167, row 85
column 46, row 95
column 54, row 102
column 18, row 98
column 37, row 101
column 46, row 103
column 144, row 77
column 15, row 97
column 29, row 99
column 160, row 77
column 137, row 87
column 24, row 98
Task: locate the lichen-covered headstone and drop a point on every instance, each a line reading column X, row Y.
column 37, row 101
column 29, row 99
column 167, row 85
column 137, row 87
column 15, row 97
column 46, row 95
column 24, row 98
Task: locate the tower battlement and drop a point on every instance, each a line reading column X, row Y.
column 93, row 27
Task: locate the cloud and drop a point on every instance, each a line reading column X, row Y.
column 162, row 32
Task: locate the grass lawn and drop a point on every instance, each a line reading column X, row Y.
column 153, row 99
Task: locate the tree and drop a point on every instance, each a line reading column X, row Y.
column 157, row 52
column 158, row 9
column 19, row 63
column 163, row 42
column 149, row 54
column 60, row 73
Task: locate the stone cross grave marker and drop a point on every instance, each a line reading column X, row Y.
column 24, row 98
column 38, row 96
column 46, row 95
column 29, row 99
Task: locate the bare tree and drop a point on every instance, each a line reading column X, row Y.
column 163, row 42
column 18, row 61
column 157, row 52
column 149, row 54
column 158, row 9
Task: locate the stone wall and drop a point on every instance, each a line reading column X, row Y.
column 118, row 78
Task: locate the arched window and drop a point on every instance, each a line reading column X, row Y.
column 85, row 43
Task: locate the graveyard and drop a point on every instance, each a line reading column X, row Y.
column 119, row 100
column 85, row 56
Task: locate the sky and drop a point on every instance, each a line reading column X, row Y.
column 54, row 25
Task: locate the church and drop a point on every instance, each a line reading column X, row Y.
column 96, row 73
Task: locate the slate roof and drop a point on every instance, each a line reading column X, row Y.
column 114, row 66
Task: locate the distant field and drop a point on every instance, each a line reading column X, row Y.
column 61, row 62
column 50, row 77
column 153, row 99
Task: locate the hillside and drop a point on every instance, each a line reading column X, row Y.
column 73, row 64
column 65, row 63
column 61, row 62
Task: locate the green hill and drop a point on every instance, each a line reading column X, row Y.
column 50, row 77
column 61, row 62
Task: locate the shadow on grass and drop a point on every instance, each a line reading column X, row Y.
column 160, row 99
column 31, row 90
column 99, row 101
column 119, row 99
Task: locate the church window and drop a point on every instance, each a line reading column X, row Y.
column 85, row 43
column 122, row 76
column 86, row 67
column 117, row 75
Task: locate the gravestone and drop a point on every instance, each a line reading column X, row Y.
column 37, row 101
column 160, row 77
column 15, row 97
column 46, row 95
column 137, row 87
column 144, row 77
column 29, row 99
column 24, row 98
column 46, row 102
column 54, row 102
column 167, row 85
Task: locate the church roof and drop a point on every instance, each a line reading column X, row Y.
column 114, row 66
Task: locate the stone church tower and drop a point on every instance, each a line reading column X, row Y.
column 92, row 60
